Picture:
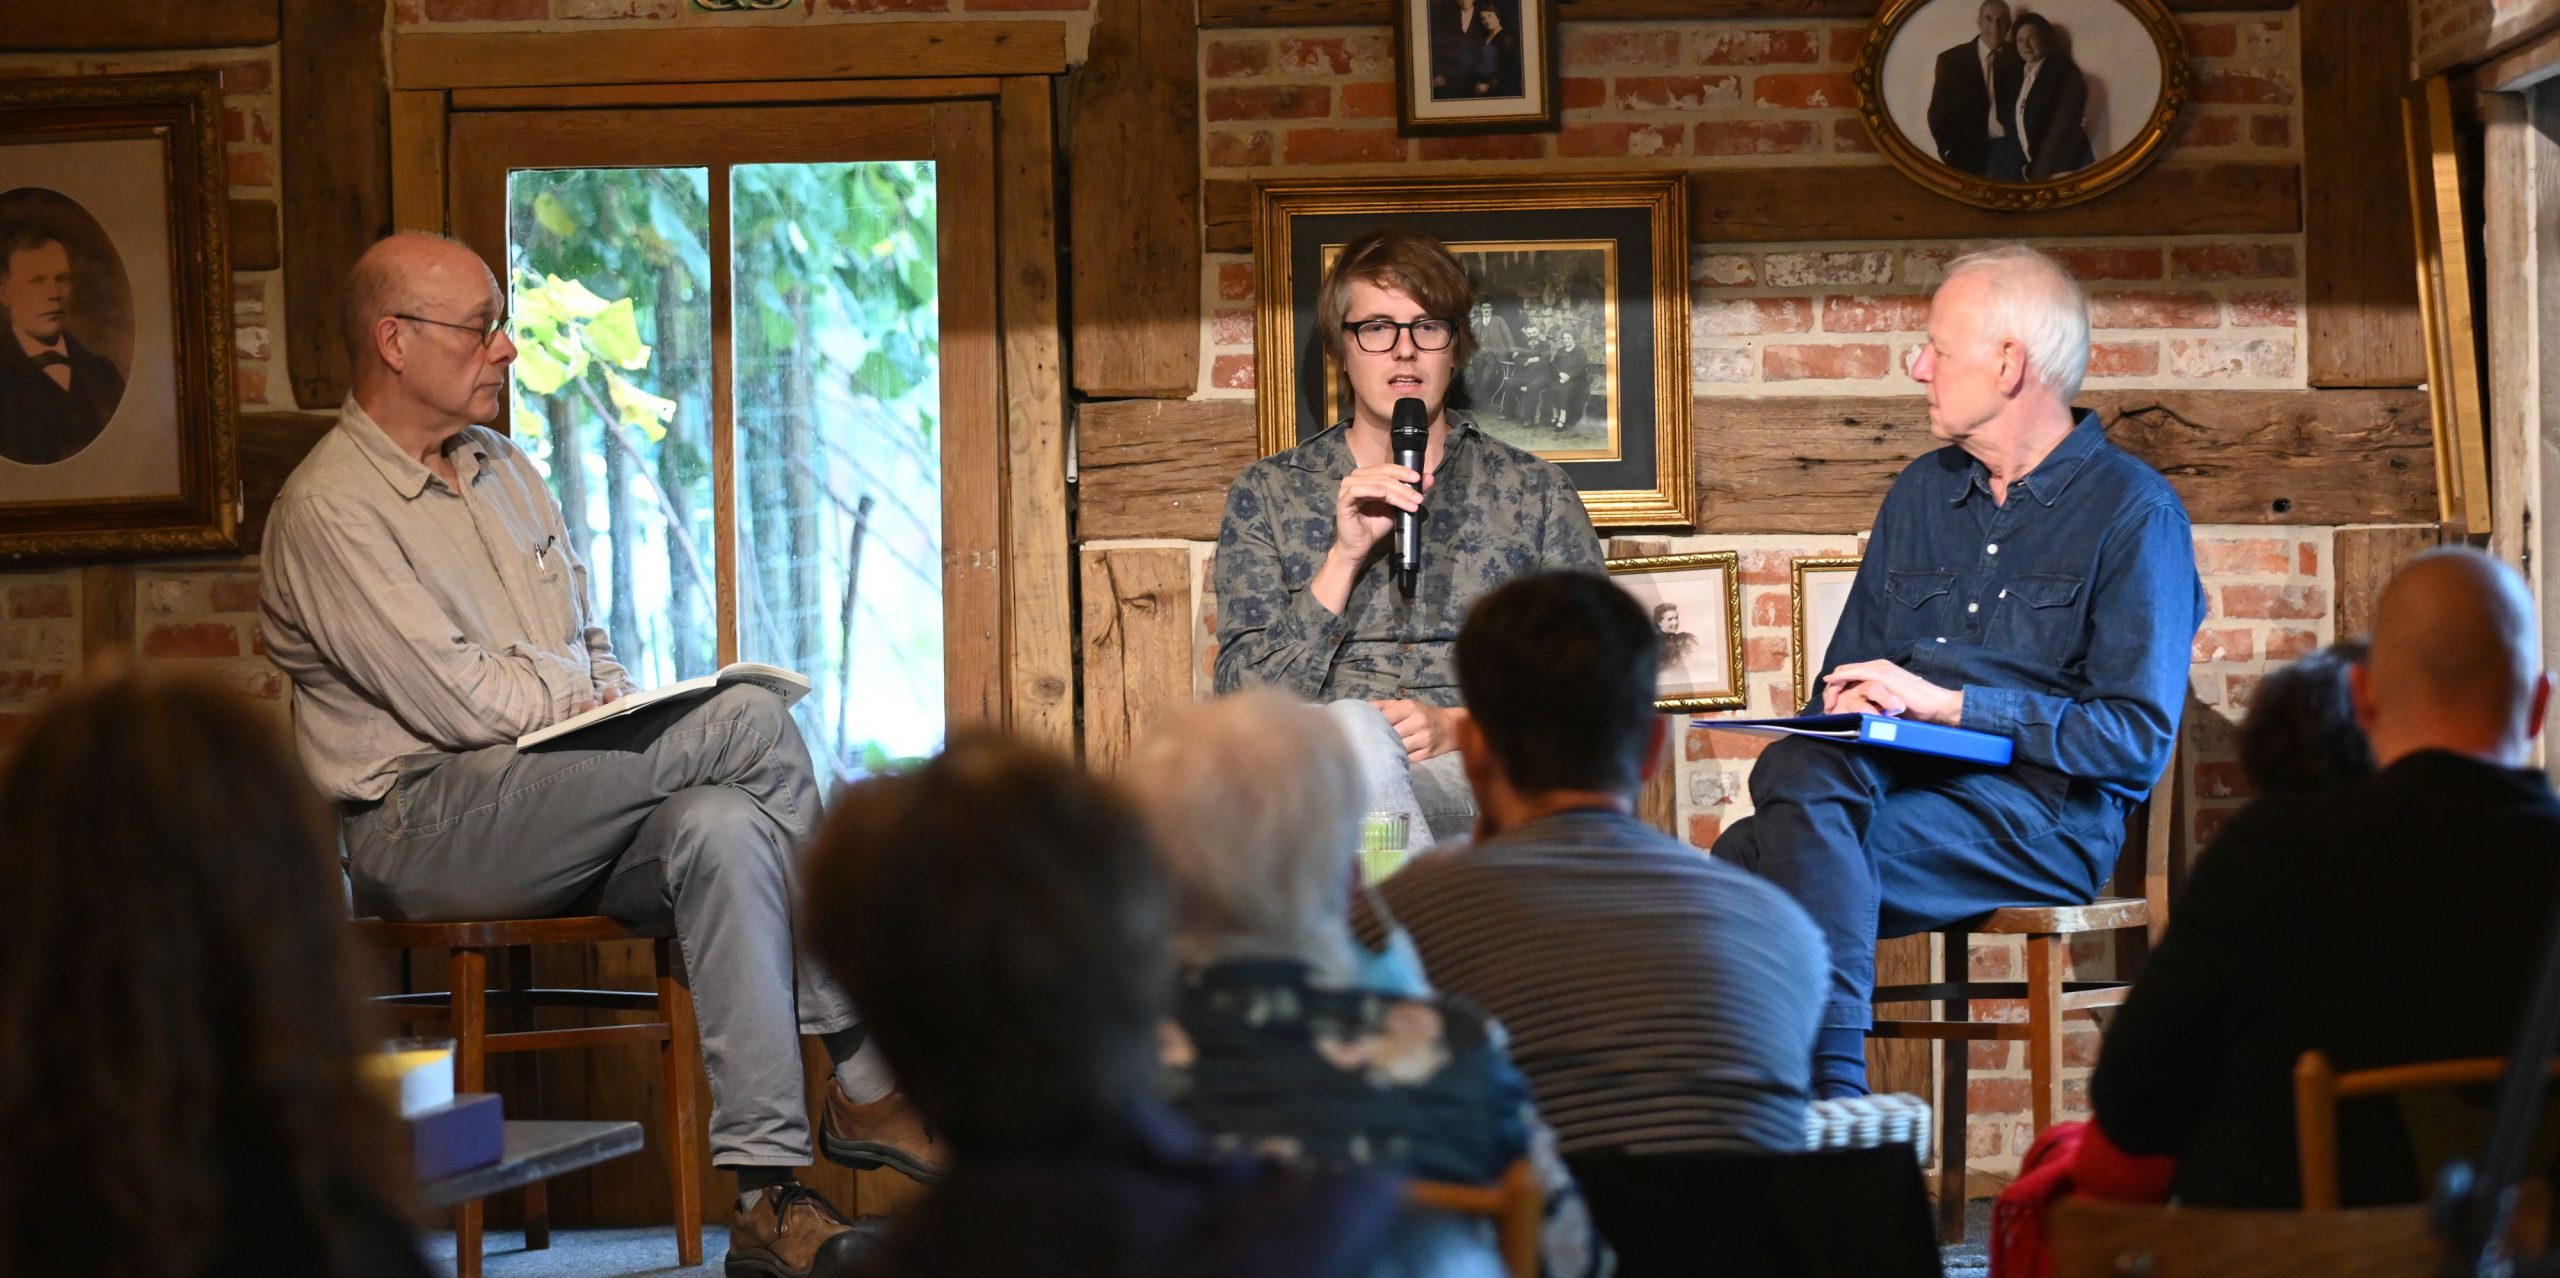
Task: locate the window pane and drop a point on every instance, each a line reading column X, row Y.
column 611, row 280
column 837, row 342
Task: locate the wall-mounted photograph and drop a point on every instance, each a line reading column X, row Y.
column 1475, row 66
column 2021, row 104
column 116, row 410
column 1579, row 324
column 1695, row 601
column 1817, row 590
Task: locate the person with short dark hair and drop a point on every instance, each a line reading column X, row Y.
column 1657, row 999
column 1972, row 92
column 2052, row 101
column 56, row 394
column 180, row 1090
column 2300, row 735
column 1002, row 920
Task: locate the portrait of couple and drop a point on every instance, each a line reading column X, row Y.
column 1475, row 50
column 2011, row 104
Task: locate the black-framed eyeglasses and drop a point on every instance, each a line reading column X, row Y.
column 486, row 335
column 1378, row 336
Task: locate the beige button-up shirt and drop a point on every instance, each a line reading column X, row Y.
column 416, row 618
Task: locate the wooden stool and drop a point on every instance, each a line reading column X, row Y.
column 470, row 946
column 2139, row 906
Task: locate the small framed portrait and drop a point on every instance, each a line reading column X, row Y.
column 1817, row 589
column 1580, row 320
column 1475, row 66
column 1695, row 601
column 116, row 409
column 2021, row 104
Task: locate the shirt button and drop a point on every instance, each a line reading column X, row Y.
column 1942, row 638
column 2004, row 592
column 1973, row 607
column 1992, row 549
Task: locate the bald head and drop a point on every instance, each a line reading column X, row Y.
column 405, row 273
column 2456, row 663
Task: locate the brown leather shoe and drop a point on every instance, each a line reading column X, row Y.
column 792, row 1231
column 884, row 1133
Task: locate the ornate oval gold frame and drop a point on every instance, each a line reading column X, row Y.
column 1923, row 166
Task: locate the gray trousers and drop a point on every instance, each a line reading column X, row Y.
column 1433, row 794
column 697, row 809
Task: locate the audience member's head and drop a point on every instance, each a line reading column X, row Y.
column 1254, row 801
column 2300, row 735
column 2456, row 661
column 175, row 993
column 1000, row 918
column 1558, row 672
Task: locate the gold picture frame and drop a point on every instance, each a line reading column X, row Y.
column 1701, row 673
column 1618, row 242
column 113, row 194
column 1812, row 609
column 1928, row 114
column 2446, row 307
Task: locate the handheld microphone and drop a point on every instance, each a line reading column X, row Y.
column 1408, row 437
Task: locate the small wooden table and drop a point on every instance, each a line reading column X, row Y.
column 535, row 1149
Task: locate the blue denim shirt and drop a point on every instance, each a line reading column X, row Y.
column 2067, row 614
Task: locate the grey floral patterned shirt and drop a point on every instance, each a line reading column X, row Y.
column 1495, row 512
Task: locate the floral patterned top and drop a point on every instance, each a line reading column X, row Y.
column 1494, row 512
column 1265, row 1062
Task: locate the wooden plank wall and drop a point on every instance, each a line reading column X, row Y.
column 139, row 24
column 1133, row 202
column 1352, row 13
column 337, row 163
column 1137, row 644
column 2360, row 291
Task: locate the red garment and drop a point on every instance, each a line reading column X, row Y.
column 2068, row 1158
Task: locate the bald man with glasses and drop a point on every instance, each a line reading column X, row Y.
column 422, row 592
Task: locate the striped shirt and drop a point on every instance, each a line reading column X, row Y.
column 1658, row 1001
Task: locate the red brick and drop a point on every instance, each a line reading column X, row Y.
column 235, row 125
column 248, row 168
column 1805, row 91
column 1982, row 1140
column 1677, row 92
column 246, row 77
column 1614, row 139
column 1761, row 656
column 2289, row 643
column 250, row 384
column 1237, row 59
column 2124, row 359
column 2310, row 560
column 1232, row 372
column 2253, row 556
column 2233, row 262
column 1228, row 150
column 1592, row 47
column 40, row 599
column 1767, row 568
column 2208, row 129
column 1582, row 93
column 1369, row 100
column 1725, row 270
column 1483, row 146
column 1816, row 270
column 1720, row 364
column 2080, row 1042
column 494, row 10
column 1270, row 102
column 1235, row 281
column 19, row 687
column 2270, row 130
column 192, row 639
column 265, row 685
column 2223, row 780
column 2243, row 88
column 1704, row 830
column 2264, row 310
column 12, row 725
column 1995, row 1095
column 1341, row 146
column 1772, row 608
column 1845, row 43
column 2237, row 357
column 619, row 8
column 1990, row 1056
column 2154, row 310
column 1989, row 961
column 1850, row 137
column 1231, row 328
column 235, row 594
column 2278, row 603
column 2210, row 39
column 1744, row 316
column 1864, row 314
column 1336, row 55
column 1762, row 47
column 2086, row 264
column 1759, row 137
column 1825, row 363
column 2219, row 644
column 2239, row 691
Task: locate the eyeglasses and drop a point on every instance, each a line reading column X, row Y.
column 486, row 335
column 1378, row 336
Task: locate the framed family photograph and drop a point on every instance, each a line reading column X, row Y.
column 1580, row 322
column 117, row 425
column 1475, row 66
column 1695, row 601
column 2021, row 104
column 1817, row 589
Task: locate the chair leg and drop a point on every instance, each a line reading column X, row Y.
column 1956, row 1062
column 678, row 1059
column 537, row 1196
column 470, row 1003
column 2044, row 1029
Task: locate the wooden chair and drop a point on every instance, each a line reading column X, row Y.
column 1512, row 1203
column 470, row 946
column 2318, row 1087
column 2137, row 908
column 2093, row 1239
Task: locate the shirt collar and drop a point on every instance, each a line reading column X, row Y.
column 407, row 475
column 2051, row 476
column 1329, row 453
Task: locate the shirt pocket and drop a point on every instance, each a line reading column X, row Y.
column 2040, row 616
column 1921, row 598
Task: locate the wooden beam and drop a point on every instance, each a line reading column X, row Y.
column 1137, row 645
column 271, row 445
column 418, row 143
column 254, row 243
column 2360, row 294
column 1133, row 202
column 727, row 93
column 1040, row 612
column 2365, row 558
column 1357, row 13
column 886, row 50
column 977, row 572
column 139, row 24
column 337, row 163
column 1873, row 202
column 1820, row 464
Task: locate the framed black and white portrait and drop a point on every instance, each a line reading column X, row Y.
column 1695, row 602
column 1475, row 66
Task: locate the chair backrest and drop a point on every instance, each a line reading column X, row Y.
column 1512, row 1203
column 2094, row 1239
column 2146, row 866
column 1835, row 1213
column 2318, row 1087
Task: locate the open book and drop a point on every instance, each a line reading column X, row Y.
column 786, row 684
column 1879, row 730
